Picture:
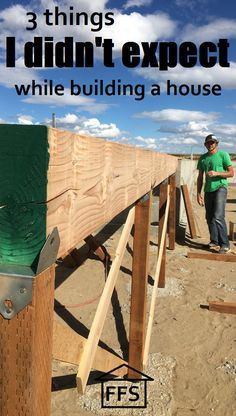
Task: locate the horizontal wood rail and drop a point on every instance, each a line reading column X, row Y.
column 66, row 180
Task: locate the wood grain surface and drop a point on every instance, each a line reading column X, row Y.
column 26, row 354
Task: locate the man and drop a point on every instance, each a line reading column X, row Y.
column 217, row 167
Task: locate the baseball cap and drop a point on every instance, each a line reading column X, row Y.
column 211, row 138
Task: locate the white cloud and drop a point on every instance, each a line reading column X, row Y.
column 225, row 77
column 226, row 129
column 136, row 3
column 14, row 17
column 26, row 120
column 68, row 119
column 149, row 141
column 141, row 28
column 152, row 143
column 88, row 126
column 85, row 5
column 217, row 28
column 189, row 128
column 182, row 141
column 94, row 127
column 227, row 144
column 11, row 76
column 189, row 140
column 85, row 103
column 177, row 115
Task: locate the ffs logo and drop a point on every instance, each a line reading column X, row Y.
column 124, row 392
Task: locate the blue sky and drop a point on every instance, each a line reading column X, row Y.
column 173, row 123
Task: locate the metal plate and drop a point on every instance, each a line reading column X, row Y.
column 16, row 293
column 16, row 281
column 49, row 252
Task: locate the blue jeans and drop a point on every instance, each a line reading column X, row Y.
column 215, row 215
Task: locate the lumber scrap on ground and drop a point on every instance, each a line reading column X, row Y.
column 222, row 307
column 211, row 256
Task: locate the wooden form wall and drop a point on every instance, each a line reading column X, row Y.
column 89, row 181
column 73, row 182
column 93, row 180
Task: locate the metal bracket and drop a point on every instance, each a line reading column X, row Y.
column 48, row 254
column 16, row 282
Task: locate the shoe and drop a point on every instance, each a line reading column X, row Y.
column 224, row 250
column 213, row 246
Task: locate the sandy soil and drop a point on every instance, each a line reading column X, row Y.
column 193, row 350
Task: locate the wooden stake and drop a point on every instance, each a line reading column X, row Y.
column 212, row 256
column 162, row 209
column 172, row 214
column 100, row 316
column 189, row 211
column 154, row 290
column 26, row 354
column 139, row 285
column 231, row 230
column 223, row 307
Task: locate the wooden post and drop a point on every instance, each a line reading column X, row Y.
column 26, row 353
column 156, row 279
column 162, row 208
column 172, row 212
column 139, row 284
column 231, row 230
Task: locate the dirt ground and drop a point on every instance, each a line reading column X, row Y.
column 193, row 351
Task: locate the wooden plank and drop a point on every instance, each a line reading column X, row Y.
column 100, row 315
column 162, row 210
column 172, row 213
column 222, row 307
column 155, row 286
column 107, row 178
column 26, row 354
column 211, row 256
column 68, row 346
column 189, row 211
column 73, row 182
column 139, row 284
column 232, row 226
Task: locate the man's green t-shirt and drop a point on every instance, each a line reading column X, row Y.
column 219, row 162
